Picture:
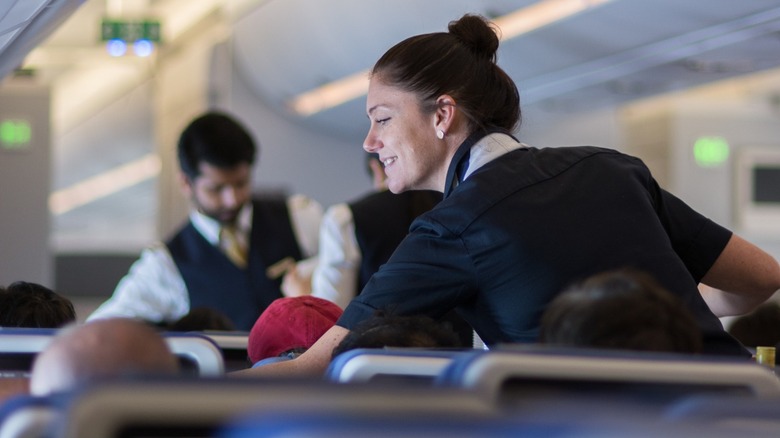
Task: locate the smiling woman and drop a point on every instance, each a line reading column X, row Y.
column 518, row 224
column 581, row 54
column 252, row 58
column 397, row 131
column 418, row 123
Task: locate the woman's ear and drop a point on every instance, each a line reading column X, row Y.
column 445, row 114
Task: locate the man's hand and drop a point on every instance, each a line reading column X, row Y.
column 295, row 284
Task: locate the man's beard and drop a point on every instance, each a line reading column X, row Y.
column 224, row 216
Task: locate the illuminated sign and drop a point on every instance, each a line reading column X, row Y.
column 141, row 35
column 130, row 31
column 15, row 134
column 711, row 151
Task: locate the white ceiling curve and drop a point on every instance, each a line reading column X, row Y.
column 619, row 51
column 26, row 23
column 285, row 48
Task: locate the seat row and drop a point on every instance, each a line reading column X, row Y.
column 507, row 391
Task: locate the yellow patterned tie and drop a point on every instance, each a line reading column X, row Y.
column 232, row 247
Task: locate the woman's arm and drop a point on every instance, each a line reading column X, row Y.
column 312, row 363
column 742, row 277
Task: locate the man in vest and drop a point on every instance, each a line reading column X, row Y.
column 231, row 253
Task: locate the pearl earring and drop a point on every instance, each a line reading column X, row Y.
column 440, row 134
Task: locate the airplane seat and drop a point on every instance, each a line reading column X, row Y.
column 197, row 407
column 198, row 354
column 28, row 416
column 18, row 347
column 413, row 365
column 234, row 348
column 741, row 416
column 587, row 380
column 387, row 425
column 446, row 423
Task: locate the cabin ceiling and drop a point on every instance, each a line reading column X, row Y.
column 620, row 51
column 615, row 53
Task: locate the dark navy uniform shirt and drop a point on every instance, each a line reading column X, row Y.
column 526, row 225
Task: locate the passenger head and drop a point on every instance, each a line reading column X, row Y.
column 386, row 330
column 31, row 305
column 761, row 327
column 289, row 326
column 203, row 319
column 216, row 154
column 428, row 93
column 101, row 349
column 623, row 309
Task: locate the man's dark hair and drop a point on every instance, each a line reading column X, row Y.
column 386, row 330
column 31, row 305
column 624, row 309
column 217, row 139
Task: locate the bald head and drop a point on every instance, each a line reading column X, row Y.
column 101, row 349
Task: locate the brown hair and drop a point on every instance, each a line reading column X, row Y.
column 461, row 63
column 25, row 304
column 622, row 309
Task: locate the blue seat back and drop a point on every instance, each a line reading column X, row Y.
column 194, row 407
column 522, row 376
column 398, row 364
column 19, row 346
column 27, row 416
column 198, row 353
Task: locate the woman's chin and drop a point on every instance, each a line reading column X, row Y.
column 396, row 188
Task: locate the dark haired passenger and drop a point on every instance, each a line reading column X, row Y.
column 232, row 251
column 760, row 328
column 518, row 224
column 31, row 305
column 202, row 319
column 387, row 330
column 623, row 309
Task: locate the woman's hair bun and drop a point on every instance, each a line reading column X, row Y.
column 476, row 33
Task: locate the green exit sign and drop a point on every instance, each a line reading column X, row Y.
column 711, row 151
column 15, row 134
column 130, row 31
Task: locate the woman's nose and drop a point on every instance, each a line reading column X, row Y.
column 370, row 144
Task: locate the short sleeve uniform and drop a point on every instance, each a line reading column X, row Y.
column 526, row 225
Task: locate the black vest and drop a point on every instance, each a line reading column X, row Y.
column 382, row 221
column 214, row 281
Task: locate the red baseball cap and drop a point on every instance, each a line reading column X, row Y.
column 288, row 323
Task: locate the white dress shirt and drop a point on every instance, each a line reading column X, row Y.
column 154, row 290
column 336, row 276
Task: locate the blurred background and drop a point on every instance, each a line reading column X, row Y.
column 95, row 92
